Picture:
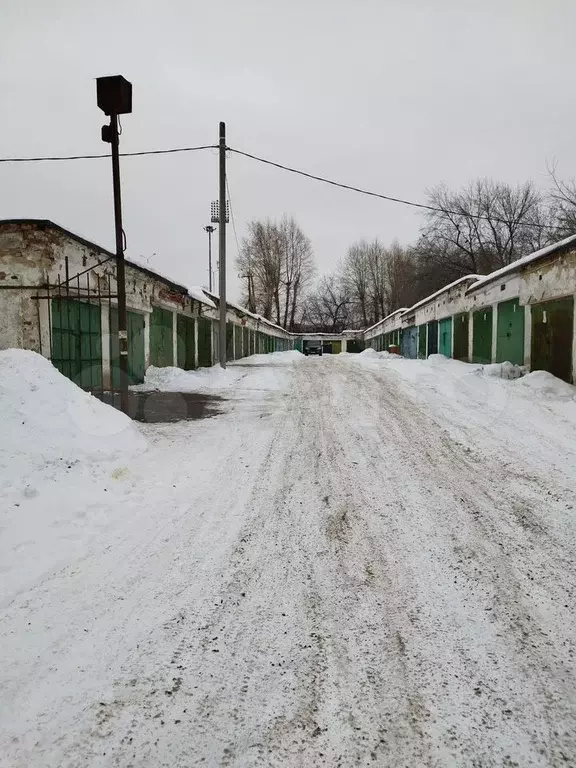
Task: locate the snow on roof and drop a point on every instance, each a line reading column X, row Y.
column 396, row 311
column 197, row 293
column 245, row 311
column 519, row 263
column 435, row 295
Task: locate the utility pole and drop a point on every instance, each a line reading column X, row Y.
column 222, row 242
column 210, row 229
column 114, row 97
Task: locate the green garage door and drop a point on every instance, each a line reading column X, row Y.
column 482, row 336
column 136, row 363
column 552, row 337
column 237, row 342
column 204, row 342
column 77, row 342
column 460, row 351
column 421, row 341
column 246, row 342
column 510, row 333
column 433, row 337
column 161, row 338
column 185, row 342
column 229, row 341
column 445, row 337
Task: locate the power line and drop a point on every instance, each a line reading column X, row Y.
column 391, row 199
column 96, row 157
column 299, row 172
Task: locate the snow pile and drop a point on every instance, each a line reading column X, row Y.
column 547, row 385
column 46, row 419
column 508, row 371
column 171, row 379
column 273, row 358
column 371, row 354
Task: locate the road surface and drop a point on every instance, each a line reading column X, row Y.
column 320, row 576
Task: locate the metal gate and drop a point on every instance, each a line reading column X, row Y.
column 75, row 311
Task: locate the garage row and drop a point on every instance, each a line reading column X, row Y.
column 522, row 313
column 58, row 297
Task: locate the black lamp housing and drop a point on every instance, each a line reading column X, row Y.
column 114, row 95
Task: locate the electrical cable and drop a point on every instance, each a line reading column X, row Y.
column 297, row 171
column 95, row 157
column 391, row 199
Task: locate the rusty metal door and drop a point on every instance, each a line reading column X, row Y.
column 552, row 337
column 460, row 351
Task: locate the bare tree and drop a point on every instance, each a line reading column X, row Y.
column 299, row 267
column 378, row 279
column 356, row 279
column 562, row 204
column 482, row 227
column 276, row 265
column 327, row 308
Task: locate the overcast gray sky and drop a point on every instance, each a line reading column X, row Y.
column 391, row 95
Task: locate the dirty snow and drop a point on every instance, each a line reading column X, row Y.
column 370, row 562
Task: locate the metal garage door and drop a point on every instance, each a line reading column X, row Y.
column 422, row 341
column 482, row 336
column 136, row 362
column 185, row 342
column 510, row 332
column 229, row 341
column 76, row 346
column 161, row 338
column 552, row 337
column 445, row 337
column 432, row 337
column 461, row 323
column 409, row 345
column 204, row 342
column 245, row 342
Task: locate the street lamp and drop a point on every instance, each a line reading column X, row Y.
column 114, row 97
column 210, row 229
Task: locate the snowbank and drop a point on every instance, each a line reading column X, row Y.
column 47, row 419
column 274, row 358
column 172, row 379
column 547, row 385
column 371, row 354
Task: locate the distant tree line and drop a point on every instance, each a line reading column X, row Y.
column 475, row 230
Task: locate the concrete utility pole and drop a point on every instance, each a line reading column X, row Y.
column 210, row 229
column 114, row 97
column 222, row 243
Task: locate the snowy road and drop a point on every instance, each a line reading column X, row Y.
column 335, row 571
